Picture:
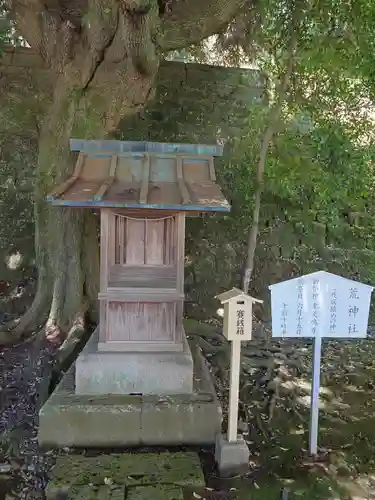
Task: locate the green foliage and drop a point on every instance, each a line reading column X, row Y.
column 321, row 156
column 8, row 31
column 4, row 26
column 319, row 169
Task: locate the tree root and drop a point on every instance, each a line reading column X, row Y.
column 31, row 321
column 207, row 347
column 75, row 335
column 51, row 325
column 262, row 363
column 210, row 336
column 59, row 305
column 57, row 301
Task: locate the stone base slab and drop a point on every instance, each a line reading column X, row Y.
column 100, row 372
column 155, row 492
column 115, row 476
column 231, row 458
column 84, row 420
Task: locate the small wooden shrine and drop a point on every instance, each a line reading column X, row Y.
column 144, row 192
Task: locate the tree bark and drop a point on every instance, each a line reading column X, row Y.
column 105, row 54
column 66, row 241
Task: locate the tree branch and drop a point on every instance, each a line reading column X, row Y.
column 51, row 27
column 270, row 130
column 186, row 22
column 45, row 28
column 27, row 15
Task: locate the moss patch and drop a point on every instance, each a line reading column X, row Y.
column 128, row 468
column 156, row 492
column 90, row 492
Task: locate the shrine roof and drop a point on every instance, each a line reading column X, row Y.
column 148, row 175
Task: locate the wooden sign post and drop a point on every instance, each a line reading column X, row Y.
column 319, row 305
column 237, row 328
column 315, row 387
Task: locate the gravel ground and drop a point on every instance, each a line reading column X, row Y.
column 24, row 375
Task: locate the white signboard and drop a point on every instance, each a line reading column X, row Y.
column 319, row 305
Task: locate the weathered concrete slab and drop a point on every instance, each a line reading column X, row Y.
column 178, row 421
column 231, row 458
column 134, row 475
column 128, row 468
column 70, row 419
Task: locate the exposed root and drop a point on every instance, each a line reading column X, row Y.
column 54, row 333
column 33, row 318
column 57, row 300
column 263, row 370
column 207, row 347
column 74, row 337
column 73, row 293
column 59, row 305
column 52, row 325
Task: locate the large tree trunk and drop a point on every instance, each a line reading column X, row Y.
column 67, row 250
column 106, row 55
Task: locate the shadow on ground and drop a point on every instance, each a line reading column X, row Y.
column 278, row 437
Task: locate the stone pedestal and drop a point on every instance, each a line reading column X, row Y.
column 139, row 385
column 231, row 458
column 99, row 372
column 116, row 420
